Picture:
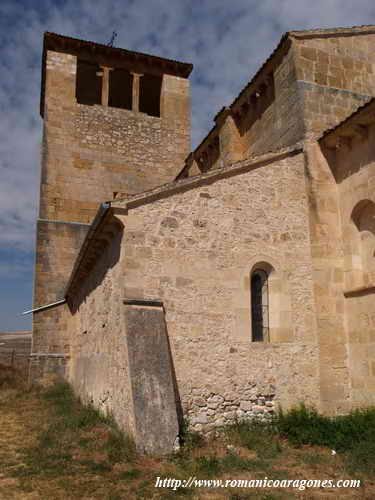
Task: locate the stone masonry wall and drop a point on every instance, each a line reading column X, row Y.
column 98, row 368
column 57, row 247
column 194, row 251
column 335, row 76
column 281, row 124
column 353, row 166
column 328, row 275
column 256, row 125
column 89, row 154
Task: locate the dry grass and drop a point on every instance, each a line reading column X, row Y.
column 53, row 448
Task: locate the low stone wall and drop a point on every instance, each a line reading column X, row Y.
column 46, row 368
column 225, row 382
column 207, row 411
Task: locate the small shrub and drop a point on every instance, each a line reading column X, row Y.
column 305, row 425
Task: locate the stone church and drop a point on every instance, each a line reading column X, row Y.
column 215, row 284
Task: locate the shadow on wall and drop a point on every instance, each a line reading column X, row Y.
column 105, row 255
column 350, row 156
column 253, row 109
column 179, row 410
column 363, row 217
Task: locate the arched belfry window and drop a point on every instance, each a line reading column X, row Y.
column 259, row 306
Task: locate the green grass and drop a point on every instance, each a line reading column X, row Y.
column 74, row 415
column 352, row 434
column 82, row 453
column 257, row 436
column 314, row 458
column 212, row 465
column 58, row 441
column 11, row 378
column 361, row 458
column 261, row 496
column 128, row 475
column 233, row 462
column 305, row 425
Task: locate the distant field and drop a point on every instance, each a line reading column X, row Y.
column 15, row 348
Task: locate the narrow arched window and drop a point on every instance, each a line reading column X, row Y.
column 259, row 306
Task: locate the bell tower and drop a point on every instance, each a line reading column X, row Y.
column 114, row 121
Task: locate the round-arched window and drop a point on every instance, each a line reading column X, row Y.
column 259, row 306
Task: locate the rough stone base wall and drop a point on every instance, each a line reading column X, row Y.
column 231, row 381
column 45, row 369
column 206, row 411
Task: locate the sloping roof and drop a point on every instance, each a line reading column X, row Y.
column 363, row 115
column 327, row 32
column 315, row 33
column 282, row 47
column 75, row 46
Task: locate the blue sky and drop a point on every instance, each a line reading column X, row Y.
column 226, row 41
